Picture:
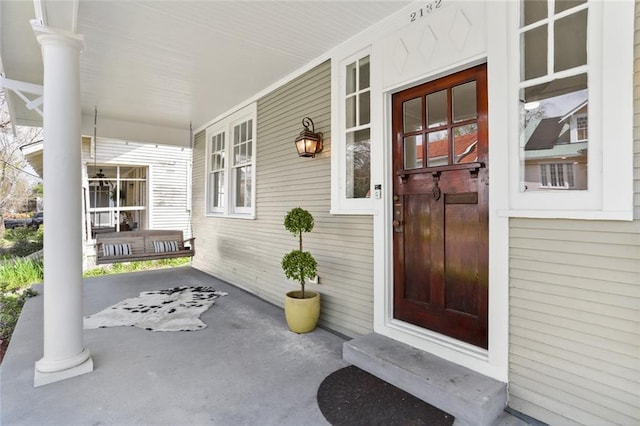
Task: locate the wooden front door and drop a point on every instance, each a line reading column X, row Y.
column 440, row 211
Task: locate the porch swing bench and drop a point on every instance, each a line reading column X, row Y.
column 131, row 246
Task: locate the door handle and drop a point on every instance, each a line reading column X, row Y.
column 398, row 213
column 437, row 193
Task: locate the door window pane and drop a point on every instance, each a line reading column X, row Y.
column 358, row 164
column 465, row 142
column 437, row 109
column 438, row 148
column 413, row 152
column 412, row 115
column 464, row 102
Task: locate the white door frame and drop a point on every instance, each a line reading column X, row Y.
column 494, row 361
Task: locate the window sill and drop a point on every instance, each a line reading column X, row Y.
column 569, row 214
column 352, row 212
column 231, row 216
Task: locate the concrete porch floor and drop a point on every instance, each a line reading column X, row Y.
column 245, row 368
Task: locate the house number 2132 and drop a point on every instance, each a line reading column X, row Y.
column 427, row 9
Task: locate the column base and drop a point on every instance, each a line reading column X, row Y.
column 41, row 378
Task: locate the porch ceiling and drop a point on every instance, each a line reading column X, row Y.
column 171, row 62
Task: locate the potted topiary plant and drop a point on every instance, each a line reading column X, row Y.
column 301, row 308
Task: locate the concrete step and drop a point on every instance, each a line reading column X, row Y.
column 473, row 399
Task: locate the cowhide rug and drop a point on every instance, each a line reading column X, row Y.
column 174, row 309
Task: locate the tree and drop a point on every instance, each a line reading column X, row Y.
column 16, row 182
column 38, row 190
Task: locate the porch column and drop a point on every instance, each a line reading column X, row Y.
column 64, row 352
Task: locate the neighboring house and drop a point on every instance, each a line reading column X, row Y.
column 129, row 185
column 471, row 256
column 555, row 153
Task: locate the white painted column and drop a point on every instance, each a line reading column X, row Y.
column 64, row 352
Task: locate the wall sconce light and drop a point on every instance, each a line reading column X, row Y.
column 308, row 143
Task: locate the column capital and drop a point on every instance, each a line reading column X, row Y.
column 50, row 35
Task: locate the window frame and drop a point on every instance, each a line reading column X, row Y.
column 227, row 126
column 610, row 82
column 340, row 203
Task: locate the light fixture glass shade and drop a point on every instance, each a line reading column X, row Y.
column 308, row 143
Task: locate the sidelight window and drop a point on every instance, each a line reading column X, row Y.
column 554, row 92
column 351, row 146
column 357, row 129
column 572, row 135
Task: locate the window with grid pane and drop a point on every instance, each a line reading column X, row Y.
column 582, row 127
column 230, row 164
column 242, row 161
column 554, row 94
column 557, row 176
column 357, row 108
column 216, row 172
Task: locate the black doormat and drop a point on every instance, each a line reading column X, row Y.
column 351, row 396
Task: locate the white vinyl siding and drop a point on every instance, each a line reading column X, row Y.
column 198, row 198
column 248, row 253
column 167, row 206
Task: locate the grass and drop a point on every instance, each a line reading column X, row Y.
column 120, row 268
column 16, row 276
column 10, row 307
column 19, row 242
